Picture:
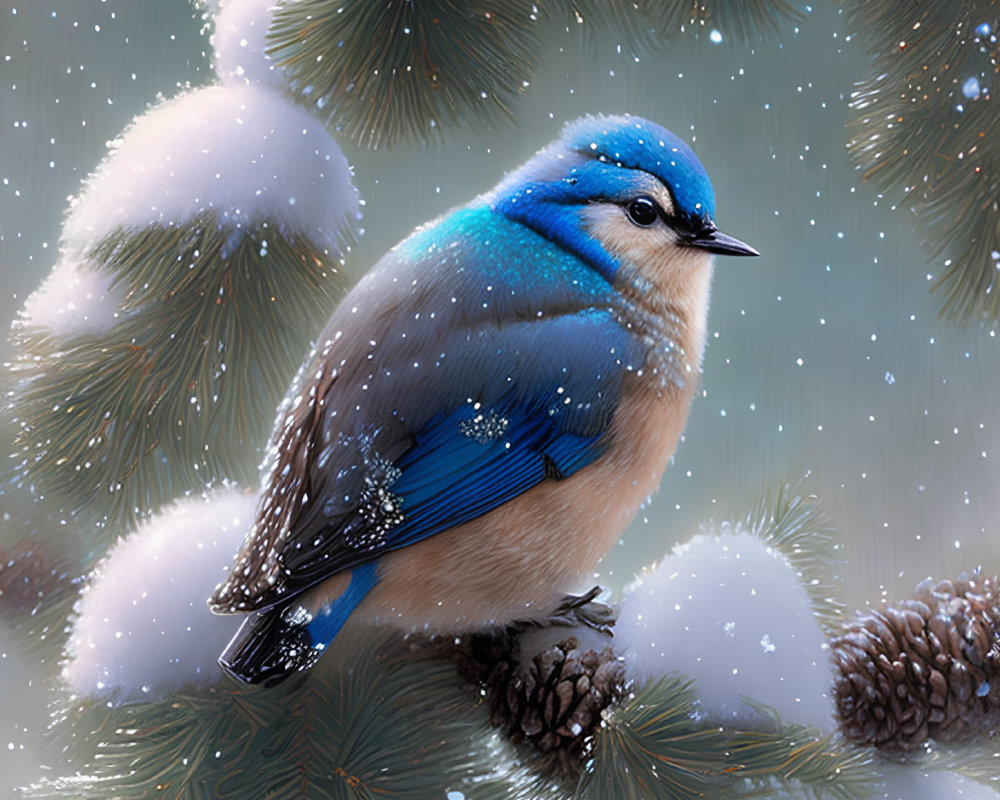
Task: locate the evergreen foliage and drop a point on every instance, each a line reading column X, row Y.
column 152, row 409
column 792, row 521
column 924, row 130
column 380, row 725
column 651, row 22
column 655, row 747
column 384, row 715
column 380, row 722
column 181, row 390
column 398, row 71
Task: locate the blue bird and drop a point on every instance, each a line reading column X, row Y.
column 484, row 413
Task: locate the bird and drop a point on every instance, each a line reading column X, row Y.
column 488, row 407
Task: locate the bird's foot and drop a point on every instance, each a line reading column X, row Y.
column 587, row 609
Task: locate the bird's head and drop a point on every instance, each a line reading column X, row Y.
column 616, row 191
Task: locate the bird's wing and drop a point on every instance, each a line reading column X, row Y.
column 518, row 404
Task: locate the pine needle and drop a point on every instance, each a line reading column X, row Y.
column 398, row 71
column 792, row 522
column 656, row 748
column 182, row 389
column 924, row 129
column 372, row 723
column 790, row 519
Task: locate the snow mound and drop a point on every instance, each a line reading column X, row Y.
column 728, row 611
column 142, row 625
column 244, row 152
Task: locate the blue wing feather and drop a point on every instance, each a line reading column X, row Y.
column 448, row 479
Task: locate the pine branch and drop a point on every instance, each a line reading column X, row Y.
column 975, row 761
column 374, row 723
column 397, row 71
column 652, row 748
column 182, row 389
column 791, row 521
column 580, row 722
column 655, row 747
column 924, row 128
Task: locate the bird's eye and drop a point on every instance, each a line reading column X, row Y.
column 642, row 211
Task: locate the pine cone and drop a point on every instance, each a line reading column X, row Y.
column 926, row 667
column 29, row 575
column 555, row 700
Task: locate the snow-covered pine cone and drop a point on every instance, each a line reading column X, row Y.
column 924, row 667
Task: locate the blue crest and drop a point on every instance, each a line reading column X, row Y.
column 637, row 143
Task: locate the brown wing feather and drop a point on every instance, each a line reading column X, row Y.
column 254, row 580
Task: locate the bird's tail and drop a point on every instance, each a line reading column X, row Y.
column 275, row 642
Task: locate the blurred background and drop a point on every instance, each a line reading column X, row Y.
column 827, row 359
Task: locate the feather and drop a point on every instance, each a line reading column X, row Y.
column 274, row 643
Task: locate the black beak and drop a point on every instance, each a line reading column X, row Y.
column 723, row 244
